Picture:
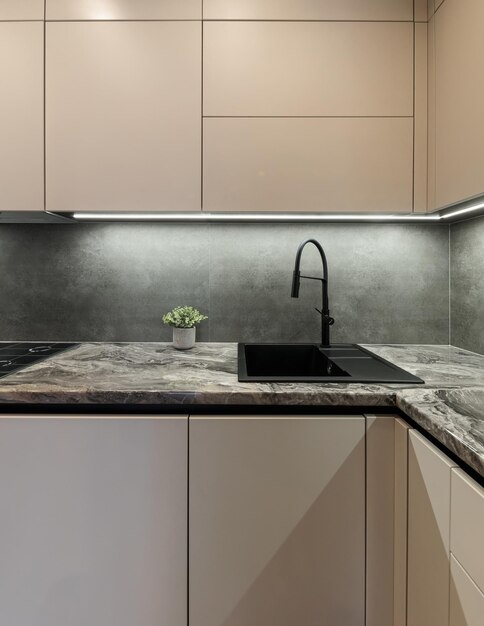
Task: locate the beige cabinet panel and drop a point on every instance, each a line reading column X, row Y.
column 467, row 524
column 308, row 10
column 466, row 600
column 21, row 116
column 459, row 100
column 421, row 119
column 94, row 521
column 308, row 68
column 400, row 525
column 380, row 518
column 123, row 9
column 21, row 10
column 277, row 521
column 333, row 164
column 421, row 10
column 428, row 534
column 123, row 104
column 431, row 120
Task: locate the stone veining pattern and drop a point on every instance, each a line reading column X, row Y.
column 450, row 406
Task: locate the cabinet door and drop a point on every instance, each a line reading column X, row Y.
column 467, row 524
column 307, row 164
column 308, row 10
column 466, row 600
column 308, row 69
column 123, row 116
column 400, row 524
column 380, row 518
column 21, row 10
column 428, row 534
column 93, row 516
column 277, row 521
column 123, row 9
column 459, row 49
column 21, row 116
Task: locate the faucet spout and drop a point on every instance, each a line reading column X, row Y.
column 326, row 319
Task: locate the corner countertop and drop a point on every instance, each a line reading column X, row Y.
column 450, row 406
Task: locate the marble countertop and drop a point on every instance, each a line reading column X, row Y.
column 450, row 406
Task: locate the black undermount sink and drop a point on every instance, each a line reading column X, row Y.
column 307, row 362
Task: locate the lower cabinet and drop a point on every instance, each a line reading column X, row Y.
column 429, row 475
column 277, row 521
column 386, row 520
column 93, row 516
column 466, row 599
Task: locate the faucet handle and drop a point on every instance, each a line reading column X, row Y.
column 326, row 317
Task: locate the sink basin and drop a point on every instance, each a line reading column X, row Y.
column 289, row 362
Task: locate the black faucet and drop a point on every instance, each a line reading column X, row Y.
column 326, row 319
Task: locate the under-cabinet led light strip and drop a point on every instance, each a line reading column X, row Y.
column 274, row 217
column 250, row 217
column 469, row 209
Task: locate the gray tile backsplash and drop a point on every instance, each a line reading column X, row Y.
column 112, row 282
column 467, row 284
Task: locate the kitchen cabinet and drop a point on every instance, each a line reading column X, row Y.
column 467, row 524
column 466, row 599
column 308, row 10
column 93, row 518
column 421, row 119
column 459, row 95
column 429, row 476
column 21, row 10
column 386, row 520
column 308, row 69
column 123, row 128
column 400, row 523
column 325, row 164
column 380, row 518
column 123, row 10
column 21, row 116
column 277, row 520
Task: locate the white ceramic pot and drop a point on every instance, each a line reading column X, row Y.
column 183, row 338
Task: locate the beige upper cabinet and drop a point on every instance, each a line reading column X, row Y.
column 308, row 9
column 429, row 475
column 123, row 9
column 459, row 120
column 277, row 512
column 21, row 116
column 94, row 521
column 308, row 69
column 306, row 164
column 21, row 10
column 123, row 129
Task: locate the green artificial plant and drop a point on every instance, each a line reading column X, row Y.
column 184, row 317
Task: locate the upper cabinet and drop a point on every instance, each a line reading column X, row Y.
column 21, row 10
column 308, row 116
column 308, row 10
column 123, row 9
column 459, row 102
column 21, row 114
column 308, row 164
column 308, row 69
column 123, row 129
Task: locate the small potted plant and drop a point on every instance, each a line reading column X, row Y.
column 183, row 319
